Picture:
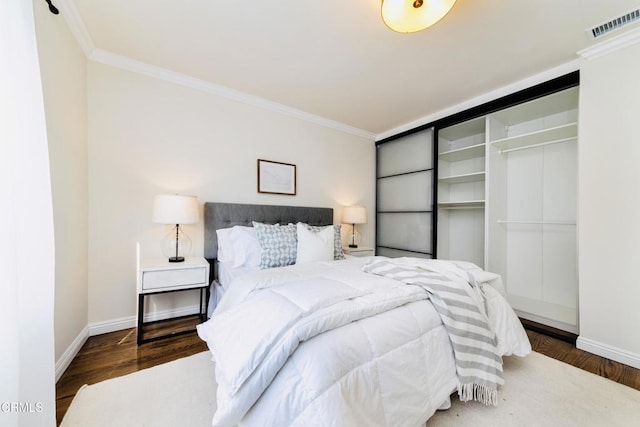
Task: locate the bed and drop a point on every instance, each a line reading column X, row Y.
column 333, row 340
column 221, row 216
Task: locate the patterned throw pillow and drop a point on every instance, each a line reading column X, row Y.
column 337, row 238
column 278, row 243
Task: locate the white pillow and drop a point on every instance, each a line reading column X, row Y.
column 225, row 245
column 337, row 238
column 314, row 246
column 246, row 247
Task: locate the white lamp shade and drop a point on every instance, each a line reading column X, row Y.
column 354, row 215
column 175, row 209
column 409, row 16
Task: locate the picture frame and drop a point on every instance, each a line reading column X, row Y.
column 276, row 177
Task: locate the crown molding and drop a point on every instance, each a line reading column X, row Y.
column 133, row 65
column 605, row 47
column 552, row 73
column 72, row 17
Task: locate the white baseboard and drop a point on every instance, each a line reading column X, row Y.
column 99, row 328
column 107, row 326
column 609, row 352
column 70, row 353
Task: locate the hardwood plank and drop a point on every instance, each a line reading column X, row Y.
column 568, row 353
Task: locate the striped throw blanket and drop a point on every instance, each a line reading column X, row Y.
column 478, row 364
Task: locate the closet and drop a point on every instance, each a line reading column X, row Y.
column 504, row 196
column 461, row 191
column 532, row 206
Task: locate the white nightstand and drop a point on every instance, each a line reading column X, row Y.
column 156, row 276
column 359, row 251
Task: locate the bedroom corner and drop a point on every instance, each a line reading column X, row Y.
column 63, row 68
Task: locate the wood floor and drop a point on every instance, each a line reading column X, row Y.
column 116, row 354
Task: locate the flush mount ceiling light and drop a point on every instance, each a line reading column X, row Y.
column 409, row 16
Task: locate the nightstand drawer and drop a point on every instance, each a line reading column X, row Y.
column 175, row 278
column 360, row 251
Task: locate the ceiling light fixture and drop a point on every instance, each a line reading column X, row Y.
column 409, row 16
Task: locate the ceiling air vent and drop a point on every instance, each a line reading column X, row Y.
column 614, row 24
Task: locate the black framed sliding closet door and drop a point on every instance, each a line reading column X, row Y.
column 405, row 195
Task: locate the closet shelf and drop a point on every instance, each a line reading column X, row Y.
column 459, row 179
column 465, row 153
column 540, row 308
column 463, row 204
column 502, row 221
column 559, row 133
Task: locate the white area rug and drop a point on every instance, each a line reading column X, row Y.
column 539, row 391
column 178, row 393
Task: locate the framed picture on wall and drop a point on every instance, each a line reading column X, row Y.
column 276, row 177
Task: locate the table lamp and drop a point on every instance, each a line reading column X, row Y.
column 354, row 215
column 175, row 209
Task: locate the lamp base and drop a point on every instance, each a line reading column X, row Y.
column 353, row 246
column 176, row 259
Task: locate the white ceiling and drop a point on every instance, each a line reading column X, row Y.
column 337, row 60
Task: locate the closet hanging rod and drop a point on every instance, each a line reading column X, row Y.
column 502, row 221
column 557, row 141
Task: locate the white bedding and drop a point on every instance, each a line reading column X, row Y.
column 326, row 344
column 227, row 273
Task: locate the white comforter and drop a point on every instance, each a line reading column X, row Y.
column 326, row 344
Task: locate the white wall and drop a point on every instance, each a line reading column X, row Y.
column 609, row 206
column 64, row 81
column 148, row 136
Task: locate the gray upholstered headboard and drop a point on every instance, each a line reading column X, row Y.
column 224, row 215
